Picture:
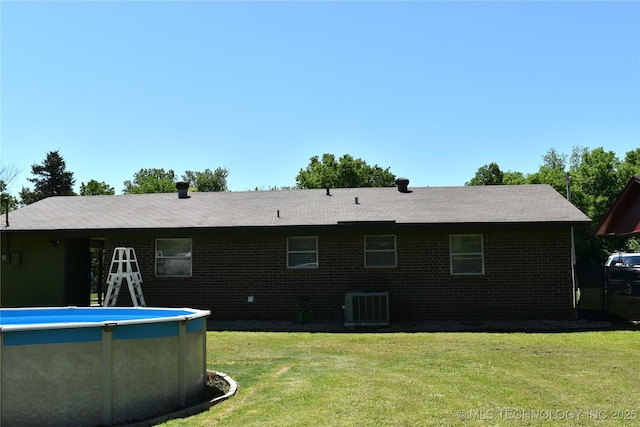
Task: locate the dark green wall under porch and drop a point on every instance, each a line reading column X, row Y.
column 43, row 270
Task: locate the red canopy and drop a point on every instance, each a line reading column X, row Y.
column 624, row 216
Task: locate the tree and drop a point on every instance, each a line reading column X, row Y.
column 8, row 174
column 630, row 166
column 554, row 160
column 596, row 177
column 596, row 183
column 487, row 175
column 95, row 188
column 207, row 180
column 151, row 181
column 7, row 201
column 552, row 172
column 50, row 179
column 345, row 172
column 514, row 178
column 27, row 196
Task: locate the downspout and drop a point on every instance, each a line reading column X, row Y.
column 576, row 290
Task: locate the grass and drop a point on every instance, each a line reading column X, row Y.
column 425, row 379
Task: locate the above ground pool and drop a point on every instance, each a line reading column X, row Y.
column 99, row 366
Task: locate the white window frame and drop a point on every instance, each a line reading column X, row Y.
column 368, row 251
column 173, row 264
column 291, row 252
column 475, row 255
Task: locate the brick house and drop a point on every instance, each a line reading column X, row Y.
column 489, row 252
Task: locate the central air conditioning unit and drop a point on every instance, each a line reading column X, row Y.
column 366, row 308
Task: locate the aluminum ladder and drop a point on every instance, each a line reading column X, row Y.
column 124, row 266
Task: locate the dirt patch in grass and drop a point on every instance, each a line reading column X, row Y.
column 216, row 386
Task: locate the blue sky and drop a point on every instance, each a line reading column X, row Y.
column 432, row 90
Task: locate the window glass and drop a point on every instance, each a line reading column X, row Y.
column 467, row 255
column 302, row 252
column 379, row 251
column 173, row 257
column 633, row 260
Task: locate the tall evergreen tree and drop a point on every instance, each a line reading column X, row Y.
column 50, row 179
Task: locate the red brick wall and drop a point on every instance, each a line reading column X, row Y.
column 527, row 276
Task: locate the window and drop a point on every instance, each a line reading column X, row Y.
column 302, row 252
column 379, row 251
column 467, row 254
column 173, row 257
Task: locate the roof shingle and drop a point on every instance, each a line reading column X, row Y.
column 425, row 205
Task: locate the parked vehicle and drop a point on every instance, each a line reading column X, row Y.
column 622, row 273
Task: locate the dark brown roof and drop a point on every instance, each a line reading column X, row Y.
column 425, row 205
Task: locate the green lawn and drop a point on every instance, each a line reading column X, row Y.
column 425, row 379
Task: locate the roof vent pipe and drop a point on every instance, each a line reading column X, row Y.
column 327, row 187
column 403, row 185
column 5, row 200
column 183, row 189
